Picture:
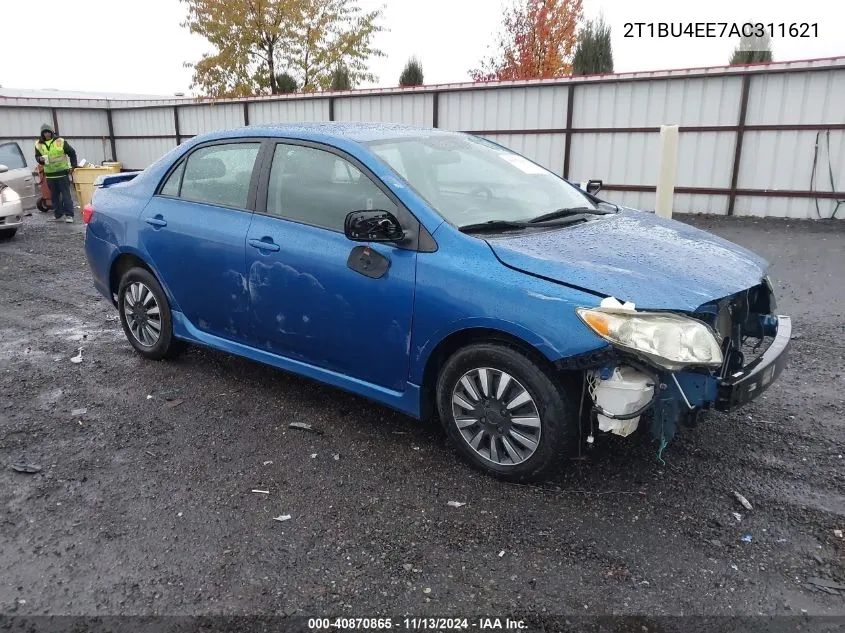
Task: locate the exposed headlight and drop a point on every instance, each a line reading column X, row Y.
column 770, row 284
column 669, row 340
column 8, row 195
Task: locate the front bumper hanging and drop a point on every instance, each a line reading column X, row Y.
column 753, row 379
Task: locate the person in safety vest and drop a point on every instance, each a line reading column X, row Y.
column 59, row 160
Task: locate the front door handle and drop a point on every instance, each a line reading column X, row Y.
column 157, row 221
column 266, row 244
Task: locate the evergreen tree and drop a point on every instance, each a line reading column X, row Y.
column 286, row 83
column 341, row 79
column 412, row 75
column 752, row 50
column 593, row 53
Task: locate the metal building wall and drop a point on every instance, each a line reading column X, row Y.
column 83, row 123
column 608, row 141
column 796, row 159
column 141, row 153
column 545, row 149
column 22, row 125
column 200, row 119
column 748, row 135
column 512, row 109
column 143, row 135
column 410, row 109
column 144, row 122
column 288, row 111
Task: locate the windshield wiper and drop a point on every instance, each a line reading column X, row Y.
column 566, row 212
column 492, row 225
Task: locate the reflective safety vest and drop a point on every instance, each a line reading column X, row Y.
column 55, row 159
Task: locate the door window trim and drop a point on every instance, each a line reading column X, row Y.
column 421, row 240
column 253, row 180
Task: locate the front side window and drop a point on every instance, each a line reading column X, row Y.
column 320, row 188
column 219, row 174
column 11, row 157
column 470, row 180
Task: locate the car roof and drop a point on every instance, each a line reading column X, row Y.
column 340, row 131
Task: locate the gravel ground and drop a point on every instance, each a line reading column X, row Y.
column 144, row 503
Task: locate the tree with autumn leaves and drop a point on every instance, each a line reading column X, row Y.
column 537, row 41
column 273, row 45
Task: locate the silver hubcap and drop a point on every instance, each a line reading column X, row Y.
column 142, row 313
column 496, row 416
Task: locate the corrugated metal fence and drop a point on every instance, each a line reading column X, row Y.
column 759, row 140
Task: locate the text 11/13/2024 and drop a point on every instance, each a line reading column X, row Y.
column 417, row 624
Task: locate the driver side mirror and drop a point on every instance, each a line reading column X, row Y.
column 593, row 187
column 3, row 169
column 373, row 226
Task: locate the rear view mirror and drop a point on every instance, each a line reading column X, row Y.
column 373, row 226
column 3, row 169
column 593, row 187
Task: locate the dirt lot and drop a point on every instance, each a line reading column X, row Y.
column 144, row 503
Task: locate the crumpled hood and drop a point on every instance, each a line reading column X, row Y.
column 636, row 256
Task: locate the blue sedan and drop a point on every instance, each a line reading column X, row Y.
column 439, row 274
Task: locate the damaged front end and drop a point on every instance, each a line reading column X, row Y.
column 673, row 365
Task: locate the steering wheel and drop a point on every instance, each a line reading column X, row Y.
column 482, row 190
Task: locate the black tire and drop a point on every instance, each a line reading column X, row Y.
column 7, row 234
column 43, row 205
column 557, row 435
column 165, row 345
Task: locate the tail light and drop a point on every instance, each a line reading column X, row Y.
column 87, row 213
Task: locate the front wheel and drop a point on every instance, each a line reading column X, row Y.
column 505, row 414
column 145, row 315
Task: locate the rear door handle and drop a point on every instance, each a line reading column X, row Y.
column 267, row 244
column 156, row 221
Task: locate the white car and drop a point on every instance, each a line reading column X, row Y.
column 11, row 209
column 19, row 176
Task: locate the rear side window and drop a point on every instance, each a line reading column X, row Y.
column 219, row 174
column 11, row 156
column 171, row 187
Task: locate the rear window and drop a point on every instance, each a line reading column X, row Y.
column 11, row 156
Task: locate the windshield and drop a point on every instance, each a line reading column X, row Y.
column 469, row 180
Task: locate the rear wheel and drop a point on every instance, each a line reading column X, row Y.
column 505, row 414
column 7, row 234
column 145, row 315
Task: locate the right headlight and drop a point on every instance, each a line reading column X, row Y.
column 670, row 341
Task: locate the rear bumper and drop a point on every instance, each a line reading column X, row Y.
column 745, row 385
column 100, row 254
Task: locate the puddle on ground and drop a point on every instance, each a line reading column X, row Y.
column 69, row 330
column 76, row 330
column 46, row 398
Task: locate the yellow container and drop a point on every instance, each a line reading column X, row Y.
column 85, row 177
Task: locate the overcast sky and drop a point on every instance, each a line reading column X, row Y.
column 141, row 47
